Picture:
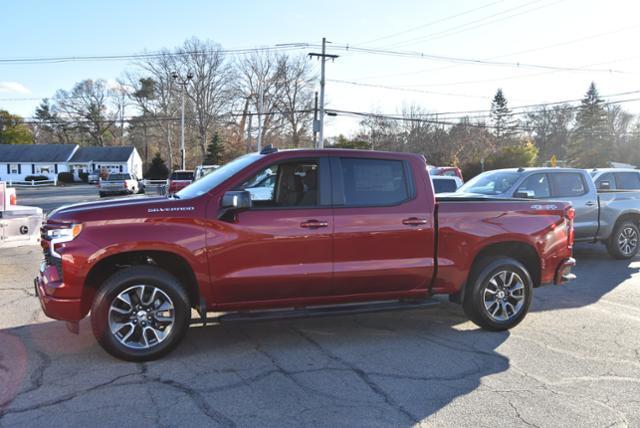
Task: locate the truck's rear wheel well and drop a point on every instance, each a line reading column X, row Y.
column 171, row 262
column 632, row 217
column 520, row 251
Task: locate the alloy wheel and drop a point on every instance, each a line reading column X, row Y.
column 628, row 240
column 504, row 296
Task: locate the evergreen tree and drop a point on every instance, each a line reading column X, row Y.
column 214, row 151
column 504, row 127
column 591, row 143
column 157, row 170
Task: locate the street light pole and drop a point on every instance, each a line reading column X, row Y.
column 183, row 83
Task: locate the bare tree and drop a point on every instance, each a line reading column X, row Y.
column 296, row 101
column 86, row 105
column 209, row 89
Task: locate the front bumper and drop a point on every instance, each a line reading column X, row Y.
column 563, row 272
column 45, row 284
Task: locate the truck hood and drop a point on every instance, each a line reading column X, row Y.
column 121, row 208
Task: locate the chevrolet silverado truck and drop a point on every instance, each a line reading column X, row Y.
column 344, row 231
column 605, row 215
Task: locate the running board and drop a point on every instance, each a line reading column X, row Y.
column 318, row 311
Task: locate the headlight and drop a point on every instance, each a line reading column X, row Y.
column 65, row 234
column 59, row 236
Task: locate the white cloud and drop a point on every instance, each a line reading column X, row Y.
column 14, row 88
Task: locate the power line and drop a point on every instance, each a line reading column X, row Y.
column 397, row 88
column 465, row 27
column 429, row 24
column 150, row 55
column 422, row 55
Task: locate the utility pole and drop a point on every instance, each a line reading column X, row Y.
column 183, row 83
column 249, row 133
column 323, row 58
column 316, row 125
column 260, row 119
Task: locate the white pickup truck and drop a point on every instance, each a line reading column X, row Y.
column 611, row 217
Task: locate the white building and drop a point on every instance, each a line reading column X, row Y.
column 18, row 161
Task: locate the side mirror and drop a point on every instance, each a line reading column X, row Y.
column 604, row 185
column 236, row 200
column 524, row 194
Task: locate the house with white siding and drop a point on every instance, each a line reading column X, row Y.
column 18, row 161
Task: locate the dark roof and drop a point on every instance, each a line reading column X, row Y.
column 35, row 152
column 102, row 154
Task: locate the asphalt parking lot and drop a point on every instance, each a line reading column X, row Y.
column 574, row 361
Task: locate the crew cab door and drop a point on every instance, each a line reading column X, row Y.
column 383, row 226
column 281, row 248
column 573, row 187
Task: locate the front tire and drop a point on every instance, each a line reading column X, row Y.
column 623, row 243
column 499, row 294
column 140, row 313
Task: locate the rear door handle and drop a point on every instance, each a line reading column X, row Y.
column 313, row 224
column 414, row 221
column 590, row 203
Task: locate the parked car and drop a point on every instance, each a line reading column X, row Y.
column 178, row 180
column 609, row 217
column 446, row 171
column 202, row 170
column 93, row 178
column 445, row 184
column 344, row 231
column 616, row 178
column 119, row 183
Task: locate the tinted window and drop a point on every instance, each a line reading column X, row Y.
column 535, row 186
column 628, row 180
column 490, row 183
column 442, row 186
column 290, row 184
column 373, row 182
column 606, row 177
column 567, row 184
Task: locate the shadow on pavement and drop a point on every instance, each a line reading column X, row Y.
column 377, row 369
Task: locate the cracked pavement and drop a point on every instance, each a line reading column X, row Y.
column 574, row 361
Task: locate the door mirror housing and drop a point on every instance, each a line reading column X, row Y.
column 236, row 200
column 604, row 185
column 524, row 194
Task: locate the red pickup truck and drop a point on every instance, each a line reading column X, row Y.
column 340, row 231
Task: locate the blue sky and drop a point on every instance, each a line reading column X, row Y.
column 565, row 33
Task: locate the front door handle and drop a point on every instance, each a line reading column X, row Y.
column 414, row 221
column 313, row 224
column 590, row 203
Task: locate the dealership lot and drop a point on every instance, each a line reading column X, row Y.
column 574, row 361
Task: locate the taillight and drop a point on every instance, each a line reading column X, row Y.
column 570, row 214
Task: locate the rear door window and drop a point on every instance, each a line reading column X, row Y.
column 374, row 182
column 628, row 180
column 535, row 186
column 567, row 184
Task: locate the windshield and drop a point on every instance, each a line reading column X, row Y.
column 217, row 176
column 490, row 183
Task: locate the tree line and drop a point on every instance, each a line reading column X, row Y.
column 222, row 94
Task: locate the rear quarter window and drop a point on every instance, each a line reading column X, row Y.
column 374, row 182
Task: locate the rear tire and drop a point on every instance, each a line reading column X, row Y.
column 498, row 293
column 140, row 313
column 623, row 243
column 101, row 194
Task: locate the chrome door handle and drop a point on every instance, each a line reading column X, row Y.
column 413, row 221
column 313, row 224
column 590, row 203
